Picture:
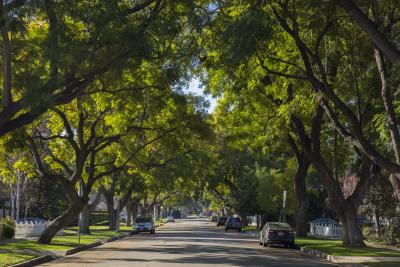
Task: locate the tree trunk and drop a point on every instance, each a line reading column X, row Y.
column 134, row 210
column 378, row 225
column 60, row 222
column 352, row 236
column 84, row 221
column 129, row 213
column 244, row 220
column 112, row 218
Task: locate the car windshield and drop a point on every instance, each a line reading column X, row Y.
column 142, row 220
column 280, row 225
column 234, row 220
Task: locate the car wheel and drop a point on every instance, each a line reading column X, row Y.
column 260, row 241
column 226, row 229
column 265, row 244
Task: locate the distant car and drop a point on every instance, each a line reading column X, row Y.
column 365, row 222
column 324, row 221
column 277, row 233
column 184, row 215
column 170, row 219
column 176, row 214
column 144, row 225
column 214, row 218
column 233, row 223
column 221, row 221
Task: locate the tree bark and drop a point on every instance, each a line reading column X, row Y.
column 84, row 220
column 303, row 165
column 352, row 236
column 7, row 99
column 129, row 213
column 112, row 216
column 378, row 225
column 371, row 29
column 134, row 210
column 70, row 216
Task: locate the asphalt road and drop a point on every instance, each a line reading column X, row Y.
column 189, row 242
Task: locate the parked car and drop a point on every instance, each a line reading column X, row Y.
column 214, row 218
column 324, row 221
column 277, row 233
column 144, row 225
column 221, row 221
column 233, row 223
column 365, row 222
column 170, row 219
column 184, row 215
column 176, row 214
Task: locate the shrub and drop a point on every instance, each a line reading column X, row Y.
column 392, row 233
column 8, row 227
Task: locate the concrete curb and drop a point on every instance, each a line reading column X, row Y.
column 82, row 248
column 35, row 261
column 346, row 259
column 48, row 258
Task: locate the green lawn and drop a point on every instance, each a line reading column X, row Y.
column 20, row 251
column 334, row 247
column 250, row 228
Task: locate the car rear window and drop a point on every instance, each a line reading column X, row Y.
column 234, row 220
column 280, row 225
column 141, row 220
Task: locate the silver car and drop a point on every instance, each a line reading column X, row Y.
column 277, row 233
column 144, row 225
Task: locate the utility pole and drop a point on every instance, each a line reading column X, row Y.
column 283, row 206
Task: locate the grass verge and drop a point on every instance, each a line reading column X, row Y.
column 334, row 247
column 16, row 252
column 249, row 228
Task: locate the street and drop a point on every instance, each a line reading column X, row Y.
column 192, row 241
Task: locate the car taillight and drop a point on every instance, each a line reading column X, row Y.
column 271, row 232
column 290, row 232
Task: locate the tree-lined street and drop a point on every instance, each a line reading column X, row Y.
column 188, row 242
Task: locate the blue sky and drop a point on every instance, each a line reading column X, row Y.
column 196, row 88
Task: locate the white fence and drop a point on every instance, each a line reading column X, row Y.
column 31, row 229
column 326, row 230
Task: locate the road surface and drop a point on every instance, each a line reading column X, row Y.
column 189, row 242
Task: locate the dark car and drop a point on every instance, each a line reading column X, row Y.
column 277, row 233
column 221, row 221
column 363, row 222
column 176, row 214
column 144, row 225
column 233, row 223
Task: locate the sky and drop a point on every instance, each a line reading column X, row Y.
column 196, row 88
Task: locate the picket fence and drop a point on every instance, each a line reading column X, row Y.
column 31, row 229
column 326, row 230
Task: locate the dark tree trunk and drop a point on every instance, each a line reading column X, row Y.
column 378, row 225
column 84, row 220
column 352, row 236
column 244, row 220
column 129, row 213
column 300, row 188
column 70, row 216
column 60, row 222
column 134, row 210
column 112, row 213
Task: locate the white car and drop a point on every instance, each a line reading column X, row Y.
column 170, row 219
column 144, row 225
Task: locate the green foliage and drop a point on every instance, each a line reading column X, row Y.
column 8, row 225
